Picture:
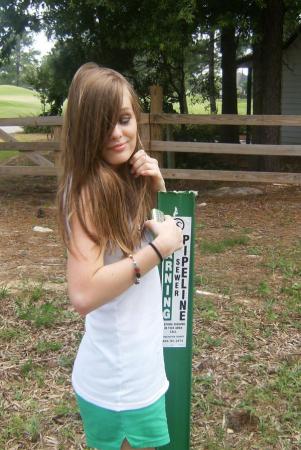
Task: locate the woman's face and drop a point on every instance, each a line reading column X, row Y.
column 122, row 142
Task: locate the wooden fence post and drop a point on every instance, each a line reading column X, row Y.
column 156, row 107
column 144, row 131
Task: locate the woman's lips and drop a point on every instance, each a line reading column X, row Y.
column 118, row 147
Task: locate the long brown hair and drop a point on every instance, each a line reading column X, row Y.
column 111, row 205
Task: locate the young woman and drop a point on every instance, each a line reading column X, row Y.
column 105, row 196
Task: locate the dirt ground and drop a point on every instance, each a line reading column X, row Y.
column 238, row 334
column 25, row 254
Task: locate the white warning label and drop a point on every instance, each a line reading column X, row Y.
column 175, row 287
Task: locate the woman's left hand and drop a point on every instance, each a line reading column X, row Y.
column 145, row 166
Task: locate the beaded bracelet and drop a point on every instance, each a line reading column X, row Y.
column 136, row 269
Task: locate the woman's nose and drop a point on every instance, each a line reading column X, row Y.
column 117, row 132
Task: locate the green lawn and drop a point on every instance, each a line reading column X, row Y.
column 6, row 154
column 18, row 102
column 197, row 106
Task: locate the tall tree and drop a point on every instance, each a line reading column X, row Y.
column 154, row 34
column 211, row 73
column 267, row 64
column 20, row 63
column 16, row 17
column 203, row 68
column 229, row 90
column 231, row 21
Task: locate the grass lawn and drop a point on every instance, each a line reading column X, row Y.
column 17, row 102
column 6, row 154
column 246, row 335
column 197, row 106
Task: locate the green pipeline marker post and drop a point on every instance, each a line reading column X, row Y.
column 177, row 288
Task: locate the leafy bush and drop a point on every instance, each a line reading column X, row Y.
column 45, row 129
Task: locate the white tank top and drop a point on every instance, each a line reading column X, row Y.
column 119, row 364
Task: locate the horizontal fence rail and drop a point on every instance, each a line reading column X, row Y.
column 174, row 119
column 232, row 175
column 225, row 119
column 28, row 170
column 37, row 151
column 230, row 149
column 32, row 121
column 30, row 146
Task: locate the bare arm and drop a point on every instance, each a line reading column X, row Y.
column 91, row 284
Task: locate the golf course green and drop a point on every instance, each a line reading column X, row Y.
column 18, row 102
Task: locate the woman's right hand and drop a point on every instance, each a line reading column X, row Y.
column 168, row 236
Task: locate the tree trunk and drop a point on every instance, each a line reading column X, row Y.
column 211, row 75
column 229, row 133
column 267, row 58
column 182, row 91
column 249, row 101
column 18, row 60
column 183, row 102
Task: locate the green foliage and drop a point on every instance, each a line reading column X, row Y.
column 285, row 385
column 16, row 18
column 207, row 309
column 286, row 265
column 52, row 77
column 35, row 309
column 65, row 408
column 66, row 361
column 151, row 43
column 197, row 105
column 207, row 247
column 195, row 133
column 202, row 62
column 45, row 346
column 264, row 289
column 27, row 367
column 254, row 251
column 16, row 427
column 4, row 292
column 20, row 62
column 207, row 341
column 33, row 428
column 44, row 315
column 19, row 427
column 31, row 129
column 8, row 334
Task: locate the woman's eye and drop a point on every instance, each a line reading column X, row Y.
column 124, row 120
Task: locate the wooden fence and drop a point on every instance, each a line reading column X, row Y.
column 151, row 125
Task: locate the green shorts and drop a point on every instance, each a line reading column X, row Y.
column 106, row 429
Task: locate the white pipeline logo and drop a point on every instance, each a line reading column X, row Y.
column 175, row 286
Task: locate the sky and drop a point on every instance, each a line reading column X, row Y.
column 41, row 43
